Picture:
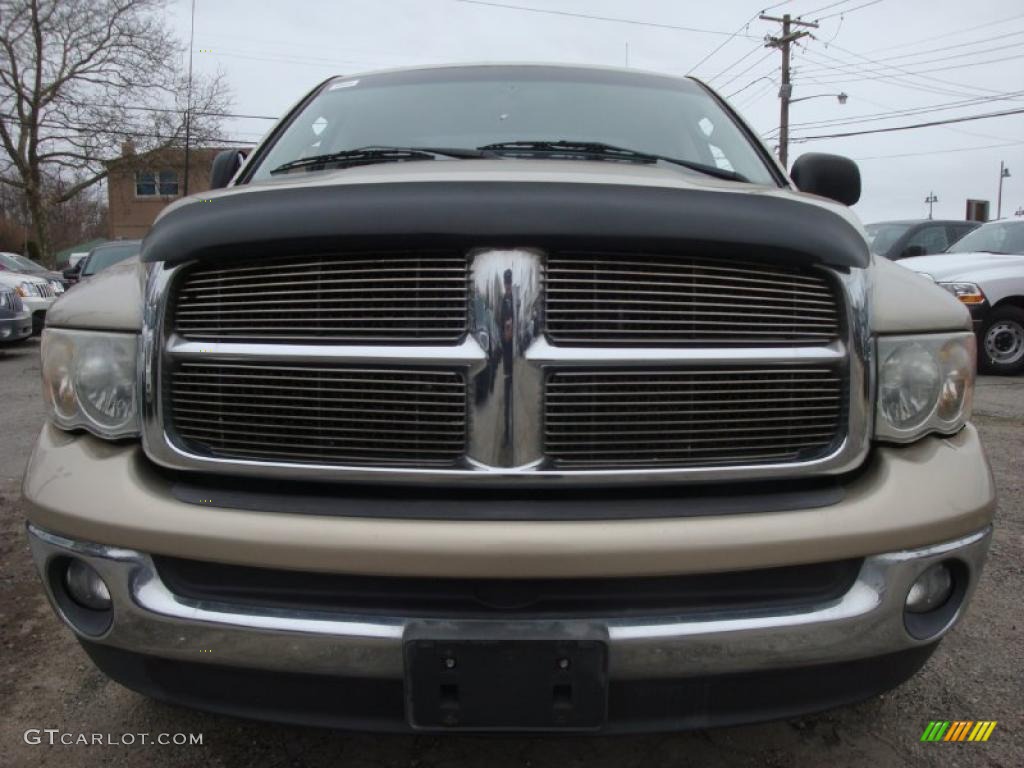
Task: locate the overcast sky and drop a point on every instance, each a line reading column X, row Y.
column 887, row 55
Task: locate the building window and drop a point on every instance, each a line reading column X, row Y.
column 145, row 183
column 151, row 184
column 168, row 182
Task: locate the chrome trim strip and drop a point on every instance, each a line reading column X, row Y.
column 866, row 621
column 468, row 354
column 505, row 425
column 542, row 352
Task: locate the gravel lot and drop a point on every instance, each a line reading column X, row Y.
column 978, row 672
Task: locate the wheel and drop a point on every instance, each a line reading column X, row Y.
column 1001, row 350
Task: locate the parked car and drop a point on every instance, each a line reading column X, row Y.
column 903, row 239
column 101, row 257
column 36, row 293
column 985, row 271
column 13, row 262
column 719, row 468
column 15, row 319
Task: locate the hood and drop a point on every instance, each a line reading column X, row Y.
column 507, row 203
column 14, row 279
column 514, row 170
column 968, row 266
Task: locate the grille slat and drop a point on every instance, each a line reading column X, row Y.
column 404, row 297
column 320, row 414
column 658, row 417
column 602, row 299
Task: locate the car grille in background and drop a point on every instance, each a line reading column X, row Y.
column 694, row 417
column 314, row 414
column 650, row 300
column 45, row 290
column 327, row 298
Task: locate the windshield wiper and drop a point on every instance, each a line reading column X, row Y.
column 368, row 155
column 597, row 150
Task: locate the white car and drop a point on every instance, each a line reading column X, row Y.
column 15, row 319
column 36, row 294
column 985, row 270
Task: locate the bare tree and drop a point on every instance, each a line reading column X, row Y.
column 78, row 78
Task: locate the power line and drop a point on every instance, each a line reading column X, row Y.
column 900, row 78
column 924, row 71
column 738, row 75
column 634, row 22
column 939, row 151
column 932, row 38
column 14, row 119
column 918, row 76
column 860, row 69
column 893, row 114
column 168, row 110
column 739, row 29
column 745, row 56
column 823, row 8
column 849, row 10
column 911, row 127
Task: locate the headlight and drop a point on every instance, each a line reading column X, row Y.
column 925, row 384
column 58, row 287
column 968, row 293
column 27, row 289
column 89, row 381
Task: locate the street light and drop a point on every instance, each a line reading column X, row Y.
column 931, row 200
column 1004, row 173
column 840, row 97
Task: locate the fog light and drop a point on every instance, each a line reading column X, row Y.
column 931, row 589
column 86, row 587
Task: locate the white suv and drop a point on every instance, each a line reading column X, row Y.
column 36, row 294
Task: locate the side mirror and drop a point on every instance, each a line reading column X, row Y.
column 70, row 273
column 831, row 176
column 912, row 250
column 225, row 166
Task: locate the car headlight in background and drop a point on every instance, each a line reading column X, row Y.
column 25, row 290
column 89, row 381
column 968, row 293
column 925, row 384
column 58, row 287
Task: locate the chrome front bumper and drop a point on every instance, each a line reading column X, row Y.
column 865, row 622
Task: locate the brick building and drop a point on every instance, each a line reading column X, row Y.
column 139, row 186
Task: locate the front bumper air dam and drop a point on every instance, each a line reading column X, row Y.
column 665, row 673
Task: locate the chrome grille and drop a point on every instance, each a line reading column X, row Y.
column 327, row 298
column 319, row 414
column 666, row 417
column 651, row 300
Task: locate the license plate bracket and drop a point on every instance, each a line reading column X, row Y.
column 516, row 684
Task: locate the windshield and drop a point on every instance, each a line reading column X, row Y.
column 882, row 237
column 7, row 261
column 997, row 237
column 107, row 256
column 29, row 264
column 468, row 108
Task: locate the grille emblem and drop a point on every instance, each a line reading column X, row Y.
column 506, row 317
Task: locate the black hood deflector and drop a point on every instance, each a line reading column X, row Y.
column 495, row 214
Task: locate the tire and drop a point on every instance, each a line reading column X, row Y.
column 1001, row 342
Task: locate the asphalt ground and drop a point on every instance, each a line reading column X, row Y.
column 46, row 681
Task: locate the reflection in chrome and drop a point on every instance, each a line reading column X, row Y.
column 505, row 319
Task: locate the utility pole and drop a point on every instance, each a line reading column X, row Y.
column 1004, row 173
column 786, row 88
column 188, row 100
column 1019, row 211
column 931, row 200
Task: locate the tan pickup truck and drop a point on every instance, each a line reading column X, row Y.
column 510, row 398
